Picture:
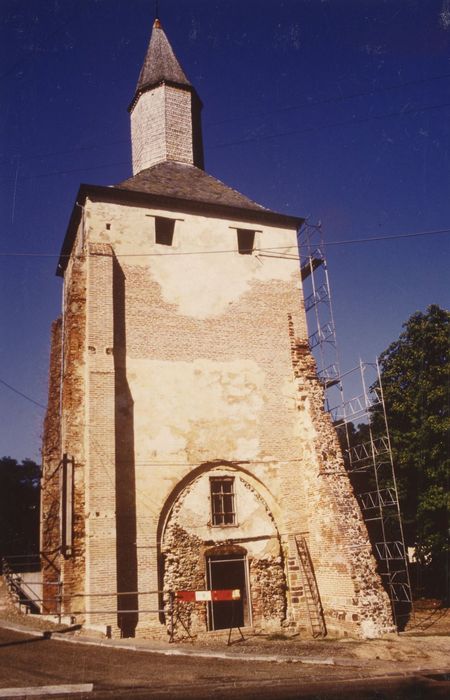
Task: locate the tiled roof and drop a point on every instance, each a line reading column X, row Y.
column 184, row 181
column 160, row 63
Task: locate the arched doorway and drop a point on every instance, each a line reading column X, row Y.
column 227, row 568
column 202, row 529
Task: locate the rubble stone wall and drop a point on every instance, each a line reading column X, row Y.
column 50, row 484
column 189, row 537
column 183, row 364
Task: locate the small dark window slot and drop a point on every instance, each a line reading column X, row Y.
column 164, row 229
column 246, row 241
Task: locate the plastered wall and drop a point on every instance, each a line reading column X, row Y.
column 195, row 358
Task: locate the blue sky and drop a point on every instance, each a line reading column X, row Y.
column 333, row 109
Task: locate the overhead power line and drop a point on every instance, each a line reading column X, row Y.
column 20, row 393
column 389, row 238
column 253, row 139
column 309, row 103
column 348, row 241
column 345, row 122
column 337, row 98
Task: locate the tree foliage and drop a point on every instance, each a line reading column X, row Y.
column 415, row 375
column 19, row 506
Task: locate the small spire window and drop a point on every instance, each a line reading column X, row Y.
column 164, row 229
column 246, row 241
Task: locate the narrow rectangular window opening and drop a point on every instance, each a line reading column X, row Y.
column 223, row 510
column 246, row 241
column 164, row 229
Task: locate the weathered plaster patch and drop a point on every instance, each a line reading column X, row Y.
column 193, row 281
column 181, row 407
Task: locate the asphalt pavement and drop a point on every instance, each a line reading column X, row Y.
column 47, row 663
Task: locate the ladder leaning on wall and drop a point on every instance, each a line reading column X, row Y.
column 312, row 597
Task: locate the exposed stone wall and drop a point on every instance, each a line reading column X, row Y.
column 350, row 587
column 184, row 570
column 50, row 484
column 268, row 591
column 182, row 366
column 64, row 432
column 73, row 422
column 189, row 537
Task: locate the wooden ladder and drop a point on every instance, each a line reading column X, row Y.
column 312, row 596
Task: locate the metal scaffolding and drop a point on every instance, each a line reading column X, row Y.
column 369, row 463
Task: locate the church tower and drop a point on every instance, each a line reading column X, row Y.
column 186, row 447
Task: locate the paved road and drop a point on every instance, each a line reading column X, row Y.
column 27, row 661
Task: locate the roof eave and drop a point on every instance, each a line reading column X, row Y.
column 171, row 83
column 117, row 194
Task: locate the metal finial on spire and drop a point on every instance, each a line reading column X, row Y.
column 157, row 23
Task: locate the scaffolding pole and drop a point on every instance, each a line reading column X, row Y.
column 371, row 460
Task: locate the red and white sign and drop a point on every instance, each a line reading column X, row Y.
column 201, row 596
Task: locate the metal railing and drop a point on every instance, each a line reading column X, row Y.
column 171, row 609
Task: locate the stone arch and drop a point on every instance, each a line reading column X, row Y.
column 186, row 536
column 266, row 496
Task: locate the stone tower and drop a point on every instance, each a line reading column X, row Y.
column 186, row 446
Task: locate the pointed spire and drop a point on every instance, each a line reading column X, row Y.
column 160, row 63
column 165, row 111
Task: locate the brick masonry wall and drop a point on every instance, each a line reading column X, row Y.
column 100, row 432
column 194, row 361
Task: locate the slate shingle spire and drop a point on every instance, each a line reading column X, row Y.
column 165, row 111
column 160, row 63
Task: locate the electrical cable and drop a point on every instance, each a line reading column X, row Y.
column 337, row 98
column 20, row 393
column 310, row 103
column 349, row 241
column 252, row 139
column 347, row 122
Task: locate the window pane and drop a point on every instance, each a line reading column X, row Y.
column 217, row 504
column 228, row 504
column 222, row 501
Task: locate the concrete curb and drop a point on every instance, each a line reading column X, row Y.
column 147, row 647
column 174, row 651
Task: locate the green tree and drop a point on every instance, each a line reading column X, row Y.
column 19, row 507
column 415, row 375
